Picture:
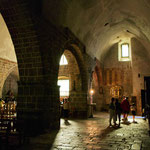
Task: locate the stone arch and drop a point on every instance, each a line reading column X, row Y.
column 71, row 70
column 78, row 98
column 11, row 81
column 22, row 28
column 78, row 54
column 9, row 71
column 6, row 67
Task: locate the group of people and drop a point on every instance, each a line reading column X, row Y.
column 117, row 108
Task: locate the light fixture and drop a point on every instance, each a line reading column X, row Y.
column 91, row 91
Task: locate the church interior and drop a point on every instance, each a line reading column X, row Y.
column 86, row 50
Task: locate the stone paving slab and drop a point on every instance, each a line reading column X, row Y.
column 94, row 134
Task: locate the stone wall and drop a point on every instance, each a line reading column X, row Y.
column 128, row 75
column 98, row 96
column 116, row 73
column 140, row 69
column 11, row 83
column 6, row 67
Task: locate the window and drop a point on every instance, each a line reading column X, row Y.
column 63, row 60
column 124, row 50
column 64, row 87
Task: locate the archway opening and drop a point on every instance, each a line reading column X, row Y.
column 69, row 80
column 63, row 79
column 11, row 83
column 9, row 75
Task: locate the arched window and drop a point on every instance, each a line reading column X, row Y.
column 63, row 60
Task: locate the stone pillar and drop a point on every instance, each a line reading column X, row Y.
column 79, row 104
column 38, row 106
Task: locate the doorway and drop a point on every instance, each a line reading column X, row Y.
column 147, row 90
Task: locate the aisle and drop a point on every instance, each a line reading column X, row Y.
column 94, row 134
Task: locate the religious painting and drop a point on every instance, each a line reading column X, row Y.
column 116, row 91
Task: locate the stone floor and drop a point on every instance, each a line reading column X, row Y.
column 94, row 134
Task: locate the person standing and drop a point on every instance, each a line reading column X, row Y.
column 133, row 110
column 125, row 108
column 66, row 108
column 118, row 111
column 112, row 113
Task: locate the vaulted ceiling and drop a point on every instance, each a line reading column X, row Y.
column 101, row 23
column 97, row 23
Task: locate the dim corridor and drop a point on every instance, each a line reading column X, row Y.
column 94, row 134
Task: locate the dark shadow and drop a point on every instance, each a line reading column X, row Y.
column 44, row 141
column 126, row 123
column 135, row 122
column 108, row 130
column 67, row 123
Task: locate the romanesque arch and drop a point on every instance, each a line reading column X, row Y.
column 11, row 71
column 21, row 27
column 78, row 93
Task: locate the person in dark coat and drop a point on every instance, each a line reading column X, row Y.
column 118, row 111
column 112, row 113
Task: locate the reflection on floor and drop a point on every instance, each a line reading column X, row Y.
column 94, row 133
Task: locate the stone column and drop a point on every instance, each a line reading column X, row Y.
column 79, row 104
column 38, row 106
